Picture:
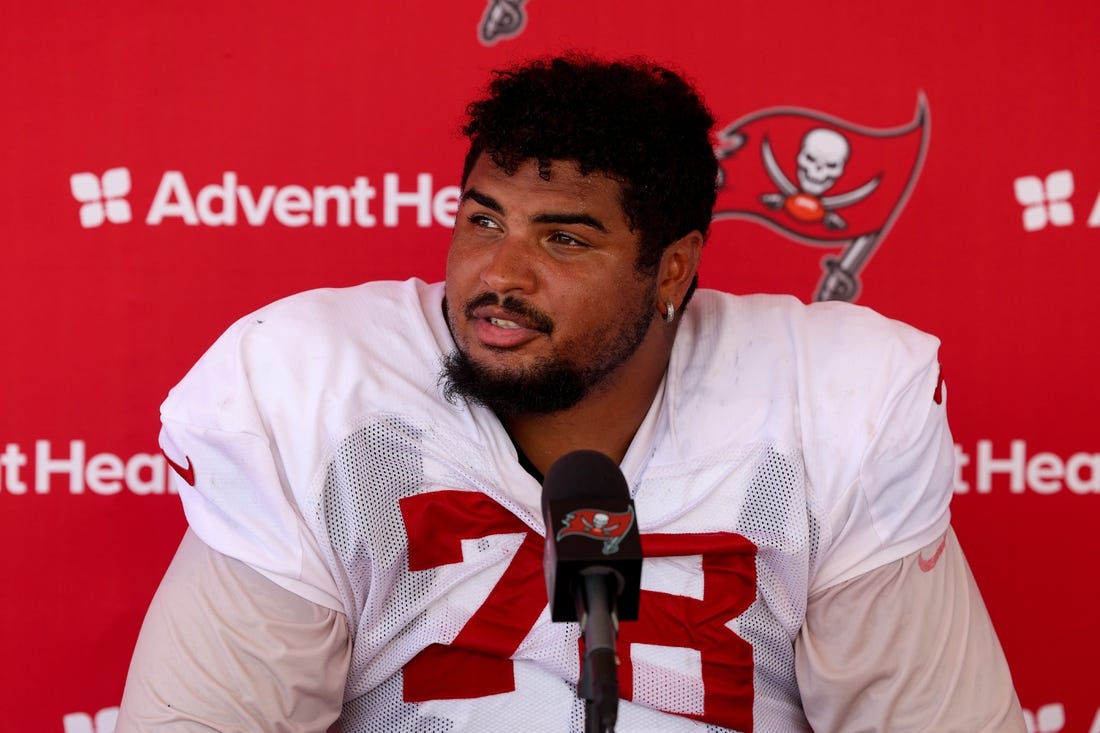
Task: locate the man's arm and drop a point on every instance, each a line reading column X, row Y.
column 224, row 648
column 906, row 647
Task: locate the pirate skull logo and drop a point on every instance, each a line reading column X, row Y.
column 821, row 162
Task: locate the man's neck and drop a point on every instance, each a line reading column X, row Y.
column 606, row 420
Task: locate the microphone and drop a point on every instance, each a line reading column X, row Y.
column 593, row 565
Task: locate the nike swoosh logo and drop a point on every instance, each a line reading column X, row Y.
column 937, row 396
column 187, row 474
column 926, row 565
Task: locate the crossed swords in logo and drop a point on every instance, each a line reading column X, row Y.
column 821, row 162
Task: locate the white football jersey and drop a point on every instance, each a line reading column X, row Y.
column 789, row 449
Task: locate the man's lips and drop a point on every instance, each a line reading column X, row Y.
column 506, row 324
column 500, row 328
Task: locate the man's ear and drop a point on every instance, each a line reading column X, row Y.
column 679, row 264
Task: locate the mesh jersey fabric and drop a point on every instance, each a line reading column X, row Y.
column 790, row 448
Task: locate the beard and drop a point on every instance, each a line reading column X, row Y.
column 553, row 383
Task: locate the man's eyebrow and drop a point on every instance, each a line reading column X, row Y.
column 485, row 200
column 568, row 218
column 492, row 204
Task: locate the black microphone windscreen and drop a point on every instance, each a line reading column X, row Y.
column 584, row 474
column 590, row 523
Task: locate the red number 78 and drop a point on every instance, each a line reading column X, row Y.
column 478, row 661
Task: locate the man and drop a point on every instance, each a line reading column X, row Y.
column 366, row 534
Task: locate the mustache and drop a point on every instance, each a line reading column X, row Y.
column 514, row 306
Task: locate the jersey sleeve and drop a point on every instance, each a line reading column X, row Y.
column 241, row 490
column 906, row 646
column 221, row 647
column 893, row 493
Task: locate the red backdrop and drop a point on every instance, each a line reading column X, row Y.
column 171, row 166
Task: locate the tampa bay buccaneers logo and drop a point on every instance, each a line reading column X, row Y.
column 599, row 524
column 821, row 181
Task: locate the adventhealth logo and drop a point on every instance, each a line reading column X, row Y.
column 1053, row 718
column 101, row 197
column 1046, row 201
column 1023, row 470
column 105, row 721
column 229, row 202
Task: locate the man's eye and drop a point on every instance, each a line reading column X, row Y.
column 569, row 239
column 482, row 221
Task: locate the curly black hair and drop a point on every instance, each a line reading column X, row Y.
column 632, row 120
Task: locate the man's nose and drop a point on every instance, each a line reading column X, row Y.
column 511, row 265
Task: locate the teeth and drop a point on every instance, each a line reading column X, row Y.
column 501, row 323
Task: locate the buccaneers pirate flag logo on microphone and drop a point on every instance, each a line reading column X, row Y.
column 599, row 524
column 820, row 181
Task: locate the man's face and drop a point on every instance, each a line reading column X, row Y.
column 543, row 297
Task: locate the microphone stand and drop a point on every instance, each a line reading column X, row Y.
column 599, row 681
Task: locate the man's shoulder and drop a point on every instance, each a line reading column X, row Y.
column 779, row 331
column 331, row 342
column 768, row 314
column 354, row 305
column 371, row 317
column 773, row 365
